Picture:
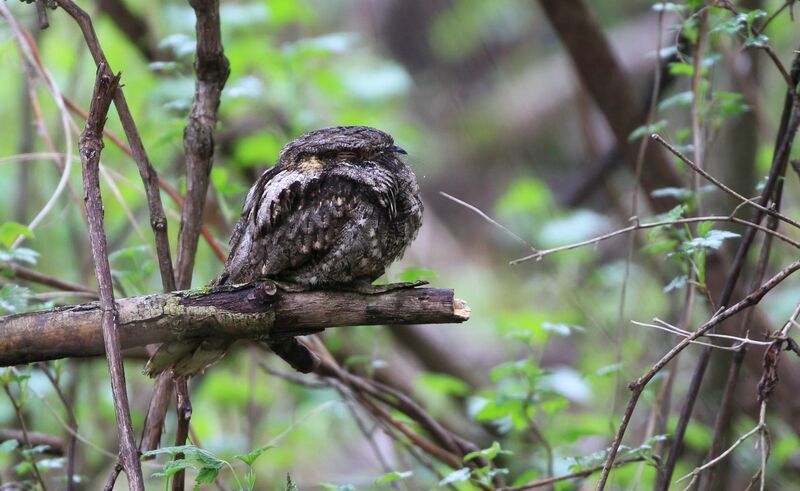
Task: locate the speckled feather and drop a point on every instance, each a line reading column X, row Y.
column 336, row 210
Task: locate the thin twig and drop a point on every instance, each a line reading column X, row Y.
column 212, row 70
column 26, row 439
column 71, row 421
column 574, row 475
column 638, row 386
column 720, row 185
column 490, row 220
column 665, row 223
column 90, row 145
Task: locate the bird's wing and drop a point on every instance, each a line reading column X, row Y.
column 291, row 217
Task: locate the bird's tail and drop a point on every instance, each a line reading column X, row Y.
column 191, row 356
column 187, row 357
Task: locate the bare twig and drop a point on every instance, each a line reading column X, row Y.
column 158, row 220
column 639, row 226
column 91, row 144
column 539, row 483
column 72, row 423
column 25, row 435
column 212, row 70
column 716, row 182
column 637, row 387
column 27, row 274
column 789, row 123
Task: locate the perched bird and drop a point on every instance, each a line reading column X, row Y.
column 338, row 207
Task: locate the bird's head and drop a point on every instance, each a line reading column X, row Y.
column 353, row 144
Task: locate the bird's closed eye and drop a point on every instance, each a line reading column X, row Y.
column 346, row 155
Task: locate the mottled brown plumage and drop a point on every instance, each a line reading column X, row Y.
column 336, row 210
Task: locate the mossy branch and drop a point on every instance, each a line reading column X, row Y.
column 256, row 311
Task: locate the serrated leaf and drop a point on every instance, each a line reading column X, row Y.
column 393, row 476
column 251, row 457
column 712, row 240
column 172, row 467
column 459, row 475
column 207, row 475
column 488, row 453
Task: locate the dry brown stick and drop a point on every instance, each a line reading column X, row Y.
column 27, row 274
column 54, row 445
column 789, row 123
column 547, row 481
column 244, row 312
column 162, row 183
column 638, row 386
column 90, row 146
column 212, row 70
column 158, row 220
column 183, row 409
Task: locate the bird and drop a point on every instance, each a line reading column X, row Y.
column 337, row 208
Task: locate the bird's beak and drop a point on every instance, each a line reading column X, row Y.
column 396, row 149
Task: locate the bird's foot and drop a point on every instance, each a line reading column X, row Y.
column 288, row 286
column 370, row 289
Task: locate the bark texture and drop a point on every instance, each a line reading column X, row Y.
column 258, row 311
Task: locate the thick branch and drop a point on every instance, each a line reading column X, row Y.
column 245, row 312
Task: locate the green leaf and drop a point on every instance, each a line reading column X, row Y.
column 459, row 475
column 8, row 446
column 667, row 7
column 444, row 384
column 648, row 129
column 562, row 330
column 525, row 196
column 681, row 69
column 253, row 455
column 488, row 453
column 393, row 476
column 712, row 240
column 207, row 474
column 338, row 487
column 9, row 231
column 759, row 41
column 677, row 283
column 14, row 299
column 682, row 99
column 172, row 467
